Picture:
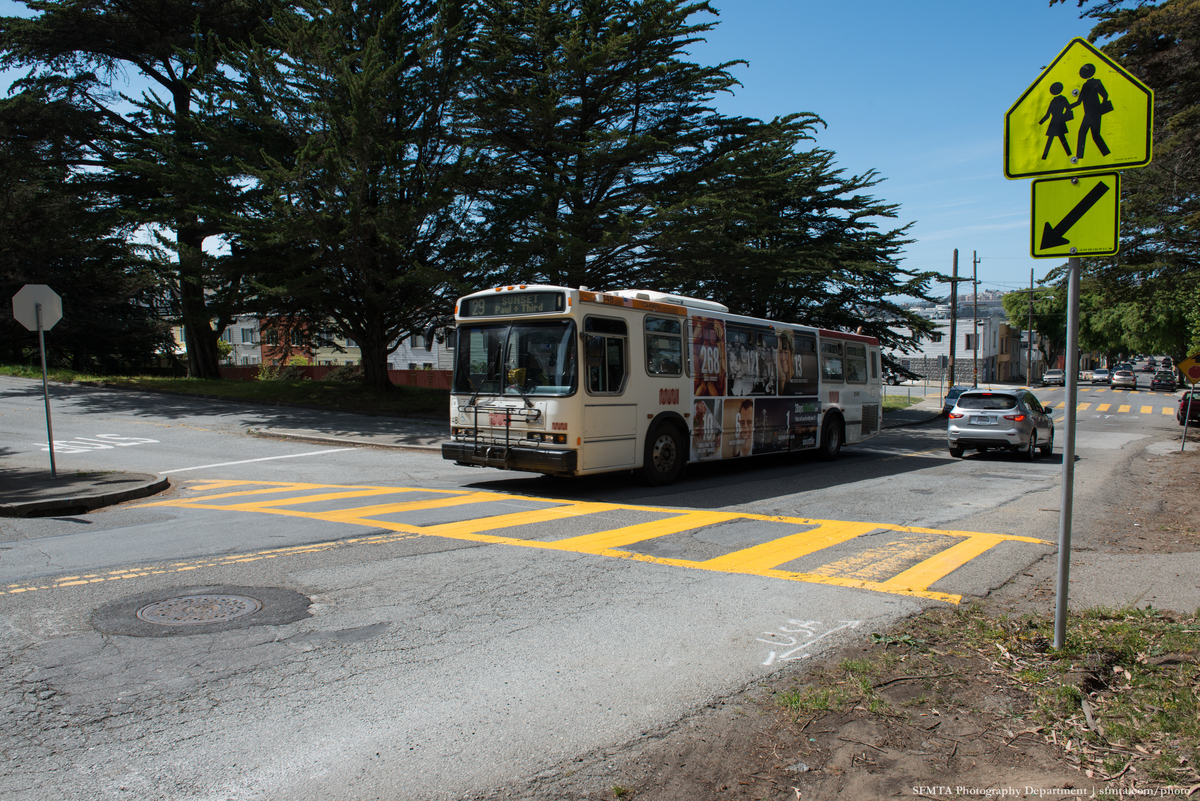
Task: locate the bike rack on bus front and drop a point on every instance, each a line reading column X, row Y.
column 486, row 450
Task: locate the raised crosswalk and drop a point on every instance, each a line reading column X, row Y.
column 899, row 560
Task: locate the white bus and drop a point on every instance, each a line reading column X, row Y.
column 572, row 382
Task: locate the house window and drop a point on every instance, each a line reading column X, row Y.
column 936, row 336
column 350, row 343
column 247, row 336
column 418, row 340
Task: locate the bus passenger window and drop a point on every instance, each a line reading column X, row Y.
column 856, row 364
column 664, row 346
column 604, row 349
column 831, row 362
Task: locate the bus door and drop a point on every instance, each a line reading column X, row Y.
column 609, row 416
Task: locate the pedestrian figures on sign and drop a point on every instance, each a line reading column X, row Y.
column 1095, row 102
column 1059, row 113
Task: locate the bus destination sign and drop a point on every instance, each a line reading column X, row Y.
column 512, row 303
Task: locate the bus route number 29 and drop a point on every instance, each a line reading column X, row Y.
column 668, row 397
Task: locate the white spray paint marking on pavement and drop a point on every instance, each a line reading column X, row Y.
column 248, row 461
column 807, row 631
column 100, row 442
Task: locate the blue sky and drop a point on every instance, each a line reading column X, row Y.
column 916, row 91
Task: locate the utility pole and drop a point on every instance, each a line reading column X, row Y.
column 953, row 281
column 975, row 317
column 1029, row 369
column 953, row 320
column 1029, row 357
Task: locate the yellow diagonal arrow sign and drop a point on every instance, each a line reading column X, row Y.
column 1075, row 216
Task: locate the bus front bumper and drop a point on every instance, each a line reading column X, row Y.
column 532, row 460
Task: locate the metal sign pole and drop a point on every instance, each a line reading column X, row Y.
column 1071, row 369
column 1187, row 416
column 45, row 388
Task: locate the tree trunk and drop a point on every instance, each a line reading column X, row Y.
column 374, row 362
column 200, row 340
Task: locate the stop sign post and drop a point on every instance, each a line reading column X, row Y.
column 39, row 308
column 1189, row 368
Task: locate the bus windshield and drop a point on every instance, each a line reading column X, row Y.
column 528, row 358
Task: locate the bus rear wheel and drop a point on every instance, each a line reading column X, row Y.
column 664, row 457
column 831, row 439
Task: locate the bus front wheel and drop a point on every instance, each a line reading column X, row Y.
column 831, row 439
column 664, row 455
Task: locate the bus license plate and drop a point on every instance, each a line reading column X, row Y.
column 984, row 420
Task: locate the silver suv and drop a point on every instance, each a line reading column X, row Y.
column 1009, row 419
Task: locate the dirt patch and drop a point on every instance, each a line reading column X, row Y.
column 923, row 711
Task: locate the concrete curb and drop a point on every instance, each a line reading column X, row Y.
column 904, row 423
column 78, row 504
column 320, row 439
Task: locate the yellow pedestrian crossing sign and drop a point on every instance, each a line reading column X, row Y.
column 1076, row 216
column 1084, row 113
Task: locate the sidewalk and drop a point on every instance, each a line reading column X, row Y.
column 33, row 492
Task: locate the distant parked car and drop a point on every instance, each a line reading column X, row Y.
column 1184, row 412
column 892, row 378
column 1124, row 378
column 1054, row 378
column 1013, row 420
column 1101, row 376
column 1163, row 379
column 951, row 398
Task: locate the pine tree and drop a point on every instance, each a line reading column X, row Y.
column 589, row 119
column 76, row 51
column 363, row 192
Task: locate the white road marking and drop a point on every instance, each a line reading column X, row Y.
column 248, row 461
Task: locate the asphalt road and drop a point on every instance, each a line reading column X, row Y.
column 433, row 631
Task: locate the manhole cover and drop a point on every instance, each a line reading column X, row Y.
column 208, row 609
column 198, row 610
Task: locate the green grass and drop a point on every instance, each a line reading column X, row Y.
column 1124, row 689
column 893, row 403
column 344, row 396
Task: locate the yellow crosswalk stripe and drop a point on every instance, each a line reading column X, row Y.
column 917, row 557
column 884, row 562
column 937, row 567
column 630, row 535
column 1124, row 408
column 785, row 549
column 1147, row 409
column 1103, row 407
